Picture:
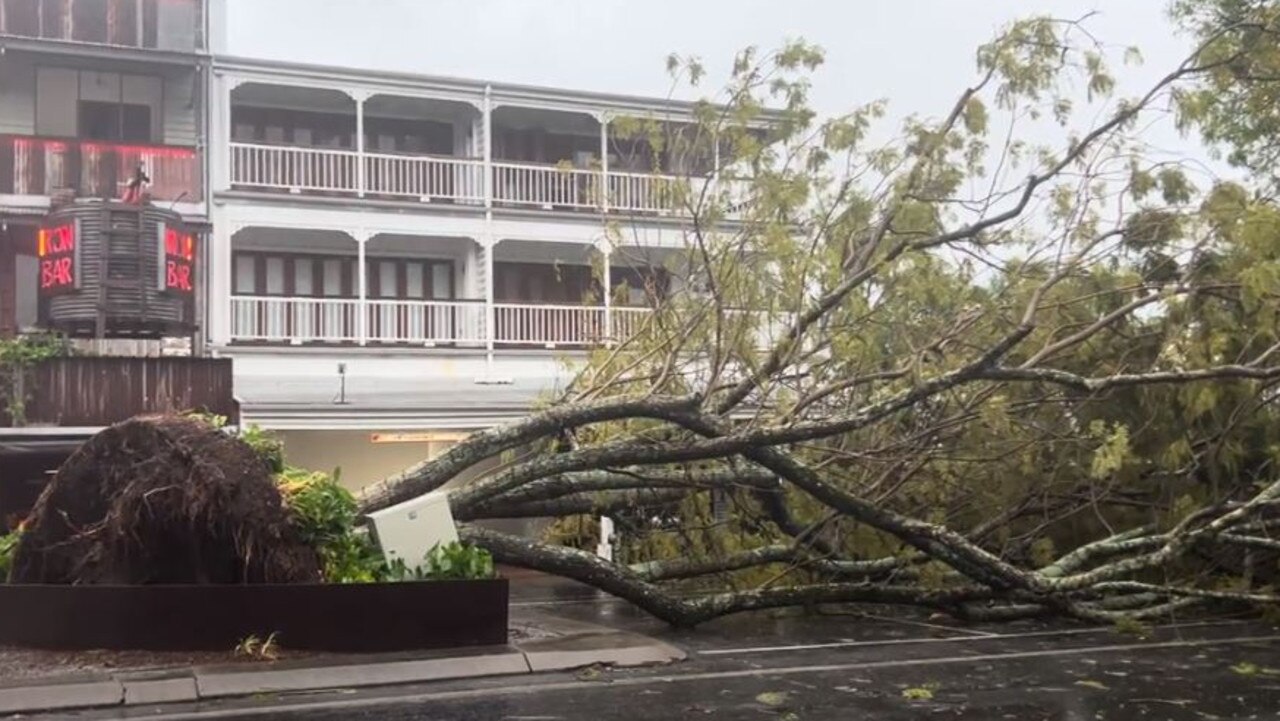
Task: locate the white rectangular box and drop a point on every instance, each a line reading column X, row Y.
column 408, row 530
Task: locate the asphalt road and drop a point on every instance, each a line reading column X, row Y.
column 882, row 666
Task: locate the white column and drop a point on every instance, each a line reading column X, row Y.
column 218, row 283
column 490, row 323
column 362, row 307
column 488, row 153
column 361, row 180
column 604, row 164
column 607, row 250
column 218, row 143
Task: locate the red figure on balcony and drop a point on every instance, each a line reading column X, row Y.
column 133, row 192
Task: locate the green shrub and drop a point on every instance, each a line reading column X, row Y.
column 326, row 516
column 8, row 546
column 454, row 561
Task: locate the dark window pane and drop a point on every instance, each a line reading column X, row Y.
column 122, row 22
column 53, row 20
column 149, row 23
column 99, row 121
column 22, row 17
column 136, row 124
column 89, row 21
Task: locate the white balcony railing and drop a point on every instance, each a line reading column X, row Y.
column 427, row 322
column 548, row 325
column 625, row 322
column 451, row 322
column 545, row 186
column 426, row 178
column 646, row 192
column 294, row 169
column 295, row 320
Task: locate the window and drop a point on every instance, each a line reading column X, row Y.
column 22, row 17
column 387, row 285
column 332, row 286
column 246, row 275
column 115, row 122
column 415, row 281
column 307, row 276
column 275, row 276
column 89, row 20
column 441, row 281
column 304, row 276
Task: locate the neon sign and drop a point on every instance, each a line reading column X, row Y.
column 177, row 260
column 58, row 252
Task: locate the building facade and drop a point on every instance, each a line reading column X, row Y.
column 91, row 90
column 397, row 260
column 392, row 261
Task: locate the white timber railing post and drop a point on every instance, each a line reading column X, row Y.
column 488, row 153
column 361, row 180
column 604, row 165
column 607, row 282
column 362, row 305
column 490, row 316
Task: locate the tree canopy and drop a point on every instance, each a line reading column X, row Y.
column 958, row 369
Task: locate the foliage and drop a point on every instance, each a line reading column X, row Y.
column 980, row 369
column 8, row 545
column 17, row 356
column 1234, row 104
column 261, row 649
column 452, row 561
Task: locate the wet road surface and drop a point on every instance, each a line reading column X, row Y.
column 886, row 664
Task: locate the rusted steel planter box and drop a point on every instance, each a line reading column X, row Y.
column 362, row 617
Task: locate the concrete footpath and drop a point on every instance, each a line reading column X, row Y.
column 540, row 643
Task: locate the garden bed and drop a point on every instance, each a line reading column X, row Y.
column 355, row 617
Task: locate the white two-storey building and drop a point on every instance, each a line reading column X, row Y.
column 397, row 260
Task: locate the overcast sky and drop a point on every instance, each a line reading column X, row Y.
column 916, row 52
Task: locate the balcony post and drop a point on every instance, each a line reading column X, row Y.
column 490, row 314
column 488, row 151
column 360, row 164
column 606, row 249
column 604, row 164
column 362, row 276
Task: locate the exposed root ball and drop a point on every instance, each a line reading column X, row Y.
column 162, row 499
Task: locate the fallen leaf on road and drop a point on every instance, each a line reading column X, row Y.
column 772, row 698
column 918, row 693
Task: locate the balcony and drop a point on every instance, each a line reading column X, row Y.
column 44, row 166
column 423, row 178
column 460, row 180
column 461, row 323
column 143, row 24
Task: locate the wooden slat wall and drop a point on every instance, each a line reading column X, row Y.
column 100, row 391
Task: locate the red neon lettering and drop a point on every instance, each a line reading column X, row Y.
column 52, row 241
column 56, row 273
column 178, row 276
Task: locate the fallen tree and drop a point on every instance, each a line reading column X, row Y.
column 956, row 370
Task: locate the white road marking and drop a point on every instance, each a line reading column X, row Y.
column 527, row 689
column 956, row 639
